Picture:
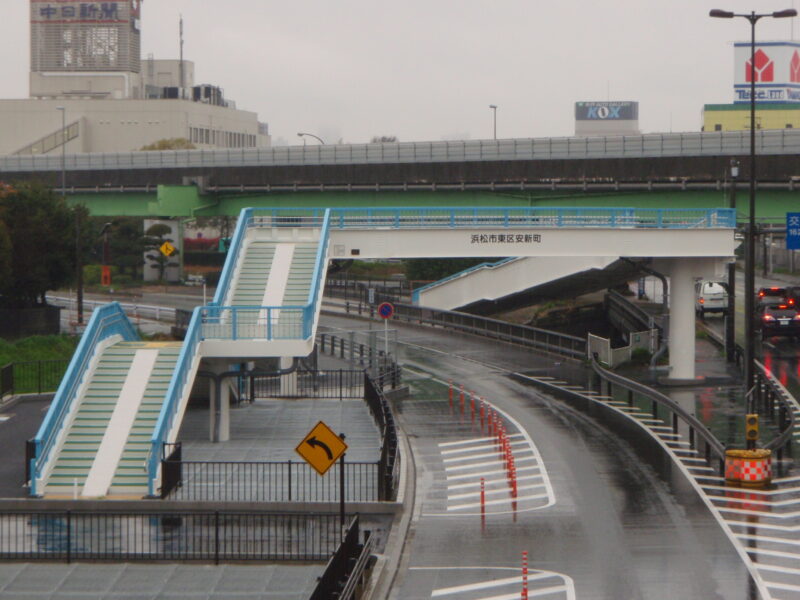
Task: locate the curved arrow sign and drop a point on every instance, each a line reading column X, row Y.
column 321, row 448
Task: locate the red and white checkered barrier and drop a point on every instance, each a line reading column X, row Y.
column 748, row 468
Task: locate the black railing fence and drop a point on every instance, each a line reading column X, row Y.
column 333, row 383
column 32, row 377
column 155, row 536
column 344, row 572
column 389, row 465
column 358, row 289
column 383, row 368
column 524, row 335
column 667, row 409
column 287, row 481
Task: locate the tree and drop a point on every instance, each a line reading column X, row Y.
column 37, row 244
column 126, row 244
column 433, row 269
column 155, row 236
column 380, row 139
column 169, row 144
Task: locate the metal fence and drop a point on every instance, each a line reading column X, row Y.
column 531, row 337
column 334, row 384
column 32, row 377
column 133, row 311
column 389, row 466
column 783, row 141
column 287, row 481
column 345, row 569
column 217, row 536
column 700, row 436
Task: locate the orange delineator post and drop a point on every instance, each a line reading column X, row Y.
column 483, row 501
column 472, row 406
column 483, row 407
column 461, row 395
column 524, row 575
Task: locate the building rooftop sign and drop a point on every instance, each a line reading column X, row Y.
column 777, row 72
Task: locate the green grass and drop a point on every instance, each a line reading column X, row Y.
column 46, row 347
column 39, row 362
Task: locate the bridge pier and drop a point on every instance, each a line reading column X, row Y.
column 288, row 380
column 219, row 406
column 682, row 273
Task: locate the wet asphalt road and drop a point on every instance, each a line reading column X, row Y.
column 614, row 530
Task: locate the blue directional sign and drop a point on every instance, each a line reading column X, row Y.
column 793, row 231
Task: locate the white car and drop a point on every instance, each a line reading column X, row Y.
column 710, row 296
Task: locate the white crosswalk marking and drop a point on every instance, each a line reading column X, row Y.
column 468, row 461
column 541, row 584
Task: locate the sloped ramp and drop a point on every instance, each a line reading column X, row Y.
column 517, row 282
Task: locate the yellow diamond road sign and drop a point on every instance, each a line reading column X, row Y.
column 167, row 249
column 321, row 448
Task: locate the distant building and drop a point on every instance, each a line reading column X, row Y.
column 777, row 73
column 606, row 118
column 86, row 60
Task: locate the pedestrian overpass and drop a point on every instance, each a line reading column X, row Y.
column 123, row 399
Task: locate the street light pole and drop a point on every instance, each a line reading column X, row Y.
column 78, row 261
column 750, row 233
column 321, row 141
column 494, row 119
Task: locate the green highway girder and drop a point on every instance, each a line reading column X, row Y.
column 187, row 202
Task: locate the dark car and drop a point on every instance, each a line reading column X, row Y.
column 793, row 296
column 770, row 296
column 779, row 320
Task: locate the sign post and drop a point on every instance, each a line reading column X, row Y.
column 321, row 448
column 793, row 231
column 386, row 310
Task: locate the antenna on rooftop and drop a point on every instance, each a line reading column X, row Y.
column 181, row 57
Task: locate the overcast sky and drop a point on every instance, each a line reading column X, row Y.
column 429, row 69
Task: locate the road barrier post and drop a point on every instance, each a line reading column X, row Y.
column 524, row 575
column 472, row 406
column 483, row 503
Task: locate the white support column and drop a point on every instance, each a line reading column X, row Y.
column 288, row 382
column 219, row 404
column 213, row 400
column 225, row 411
column 681, row 321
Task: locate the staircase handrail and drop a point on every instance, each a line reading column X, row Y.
column 484, row 265
column 237, row 242
column 700, row 429
column 166, row 417
column 105, row 321
column 316, row 279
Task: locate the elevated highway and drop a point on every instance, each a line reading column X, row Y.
column 678, row 162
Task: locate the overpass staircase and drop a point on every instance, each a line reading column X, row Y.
column 123, row 398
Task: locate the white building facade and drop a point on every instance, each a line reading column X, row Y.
column 87, row 74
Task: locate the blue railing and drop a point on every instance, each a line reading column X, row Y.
column 484, row 265
column 105, row 322
column 253, row 322
column 267, row 322
column 316, row 281
column 448, row 217
column 237, row 241
column 166, row 417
